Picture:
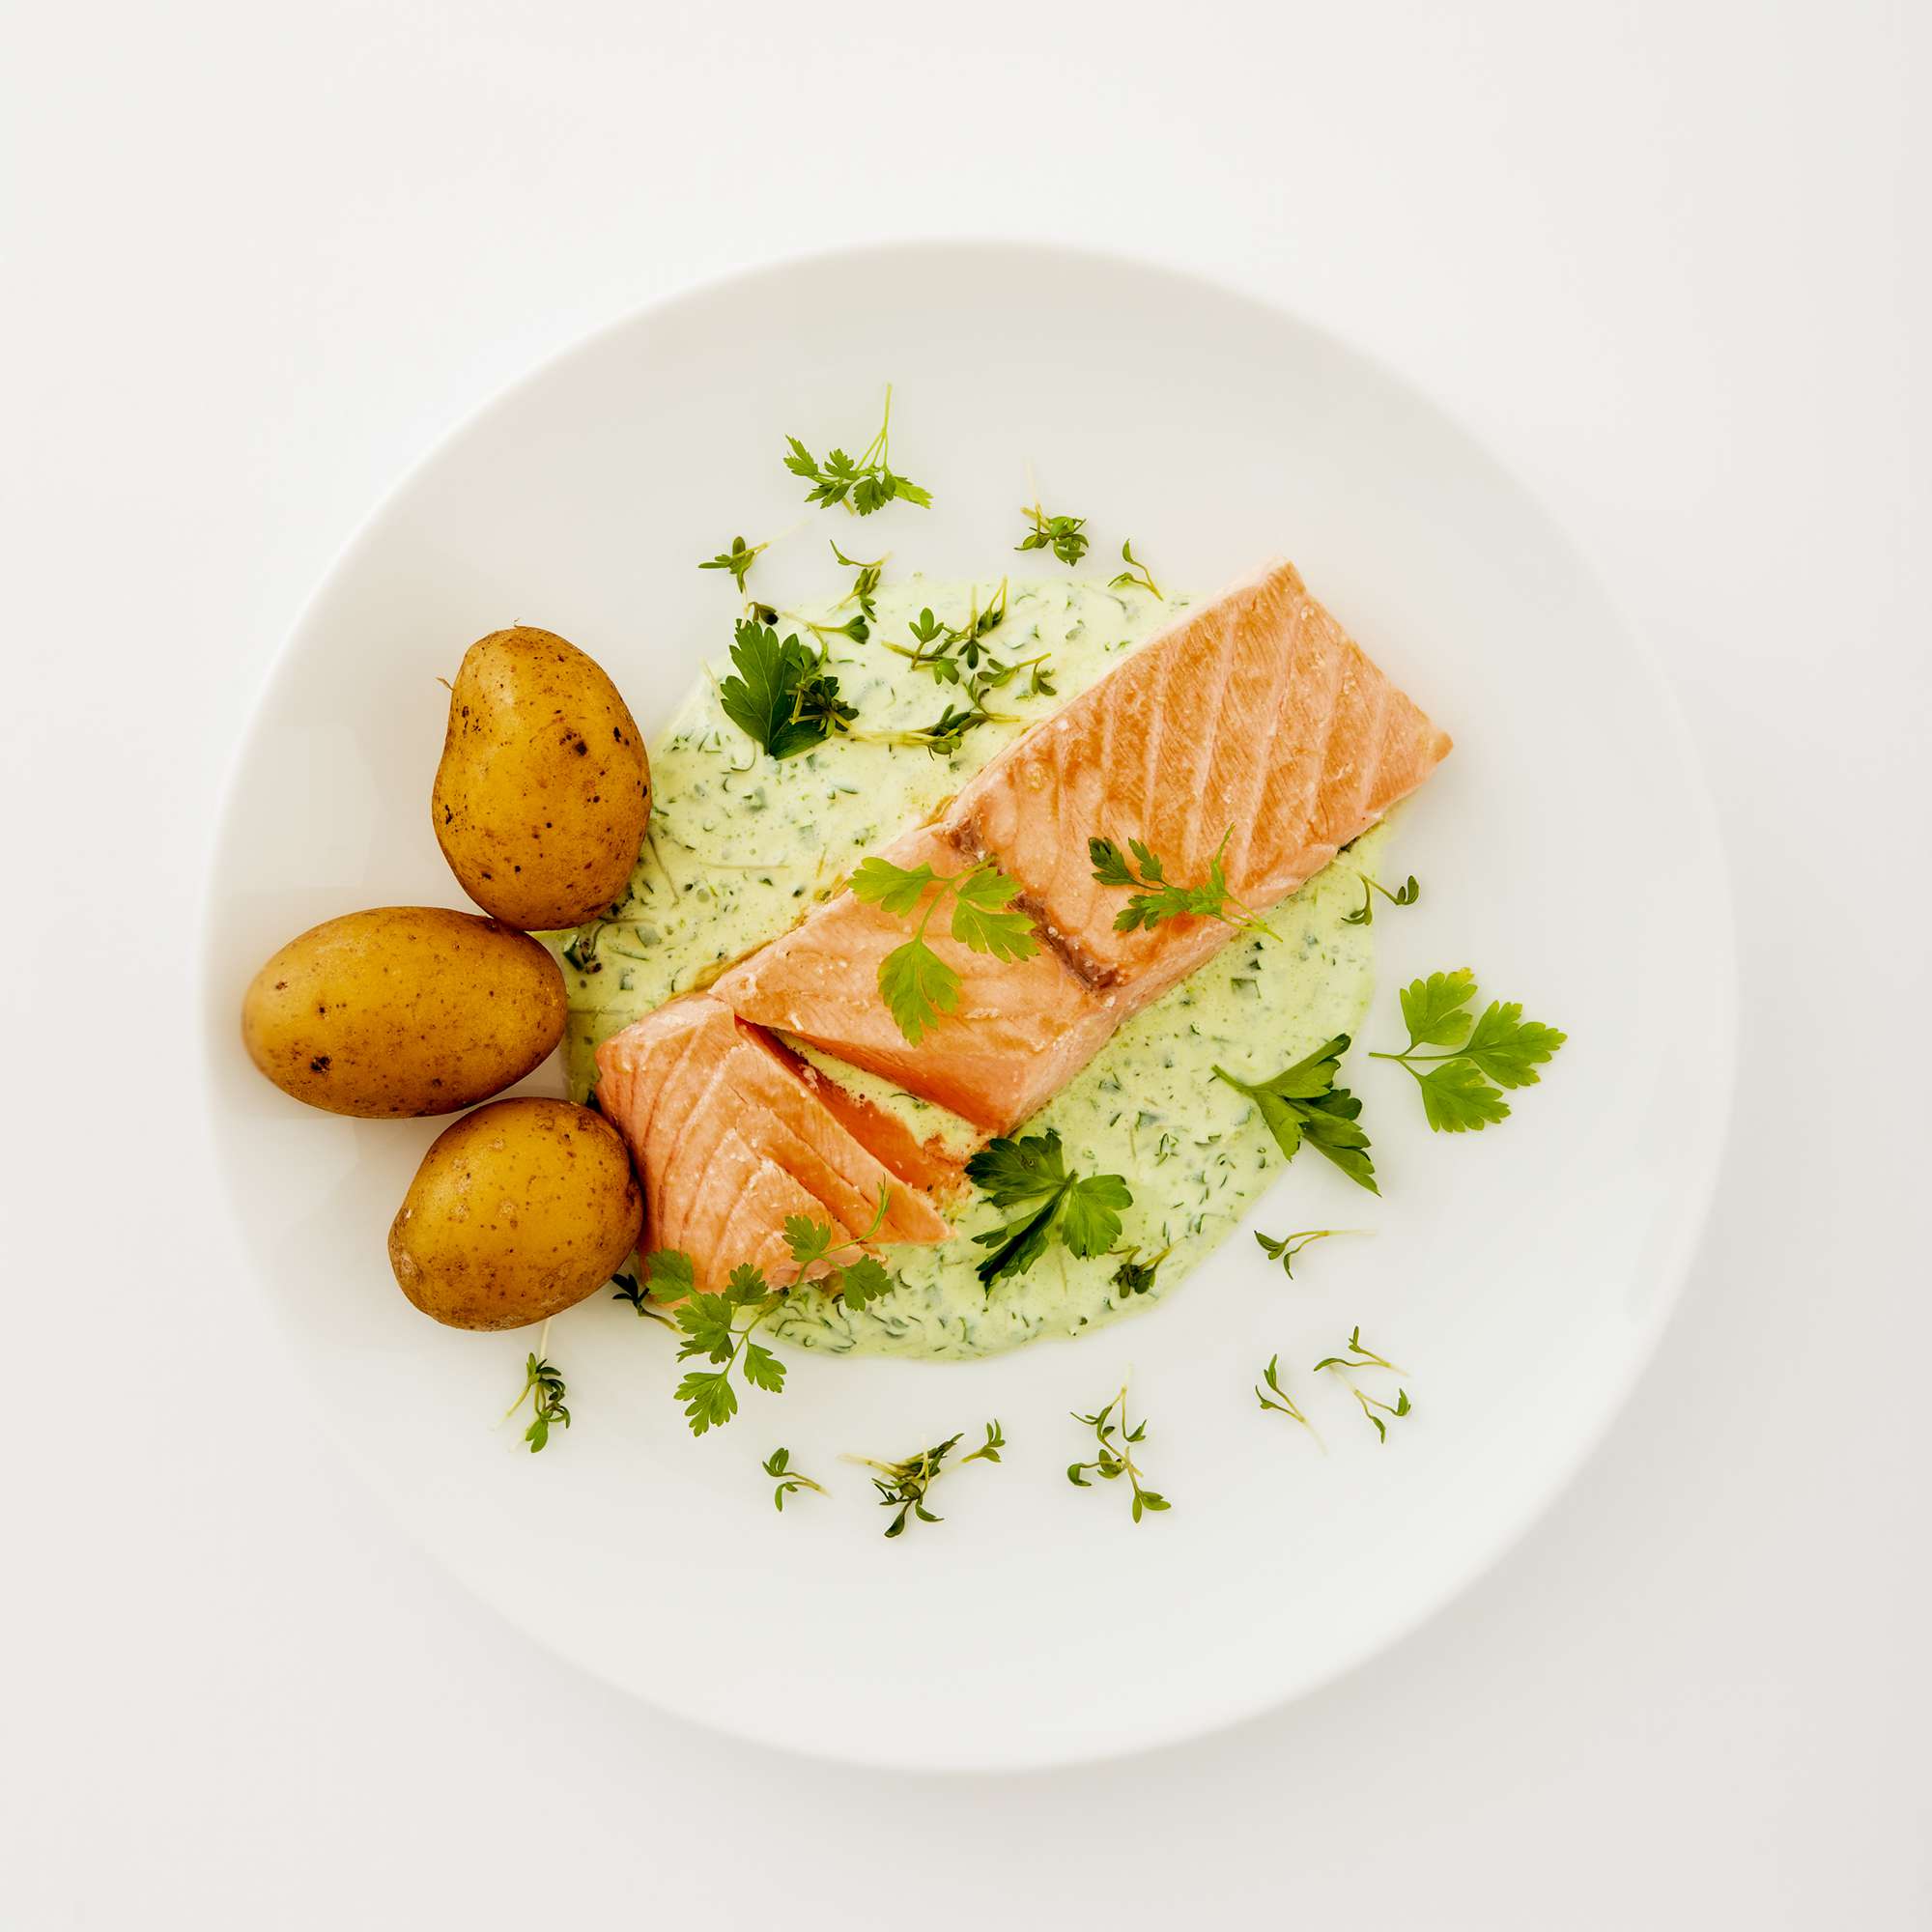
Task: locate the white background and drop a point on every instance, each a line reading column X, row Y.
column 1669, row 260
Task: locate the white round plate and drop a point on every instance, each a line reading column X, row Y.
column 1520, row 1276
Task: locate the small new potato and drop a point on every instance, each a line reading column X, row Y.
column 544, row 791
column 403, row 1011
column 518, row 1212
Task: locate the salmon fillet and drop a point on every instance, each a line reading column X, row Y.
column 731, row 1141
column 1022, row 1030
column 1255, row 717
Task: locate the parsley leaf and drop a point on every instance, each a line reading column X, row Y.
column 1031, row 1173
column 864, row 485
column 712, row 1329
column 1462, row 1085
column 1302, row 1102
column 915, row 983
column 1159, row 898
column 780, row 697
column 857, row 1282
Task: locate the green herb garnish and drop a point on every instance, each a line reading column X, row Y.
column 1136, row 577
column 543, row 1384
column 1116, row 1459
column 866, row 585
column 789, row 1479
column 1158, row 898
column 1460, row 1092
column 712, row 1328
column 915, row 983
column 780, row 697
column 1063, row 535
column 630, row 1289
column 1135, row 1276
column 1285, row 1247
column 1303, row 1103
column 904, row 1484
column 1403, row 896
column 866, row 485
column 860, row 1281
column 738, row 559
column 1031, row 1173
column 1283, row 1402
column 1359, row 1357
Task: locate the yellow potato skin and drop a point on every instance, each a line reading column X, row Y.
column 403, row 1011
column 543, row 790
column 518, row 1212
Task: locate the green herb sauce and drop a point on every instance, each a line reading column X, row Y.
column 741, row 847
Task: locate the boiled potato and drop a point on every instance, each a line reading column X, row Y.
column 519, row 1210
column 404, row 1009
column 543, row 790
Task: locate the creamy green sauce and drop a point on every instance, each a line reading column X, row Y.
column 741, row 847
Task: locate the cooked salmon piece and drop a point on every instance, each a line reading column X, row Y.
column 731, row 1141
column 1255, row 718
column 1022, row 1030
column 929, row 1165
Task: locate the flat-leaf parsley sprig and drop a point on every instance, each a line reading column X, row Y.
column 915, row 983
column 1081, row 1210
column 857, row 1279
column 1116, row 1441
column 1359, row 1357
column 904, row 1485
column 1065, row 536
column 782, row 698
column 790, row 1480
column 1302, row 1102
column 543, row 1386
column 720, row 1327
column 1461, row 1088
column 864, row 485
column 1405, row 895
column 1158, row 897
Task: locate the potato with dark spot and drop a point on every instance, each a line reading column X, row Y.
column 544, row 791
column 403, row 1011
column 518, row 1212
